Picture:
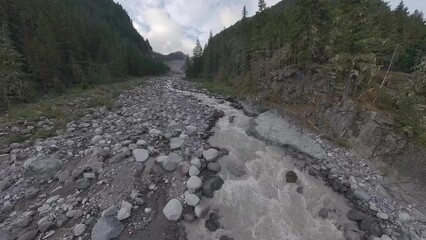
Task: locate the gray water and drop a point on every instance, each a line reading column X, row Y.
column 255, row 201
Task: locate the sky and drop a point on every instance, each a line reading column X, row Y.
column 174, row 25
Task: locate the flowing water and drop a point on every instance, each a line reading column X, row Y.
column 255, row 201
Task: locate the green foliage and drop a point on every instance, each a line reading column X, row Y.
column 194, row 66
column 58, row 44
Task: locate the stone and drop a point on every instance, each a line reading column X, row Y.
column 370, row 226
column 356, row 215
column 5, row 184
column 52, row 199
column 170, row 164
column 194, row 183
column 110, row 211
column 82, row 184
column 63, row 176
column 202, row 209
column 141, row 155
column 351, row 235
column 117, row 158
column 193, row 171
column 79, row 229
column 96, row 139
column 361, row 195
column 323, row 213
column 5, row 235
column 183, row 168
column 214, row 167
column 106, row 228
column 196, row 162
column 161, row 159
column 192, row 199
column 4, row 158
column 210, row 154
column 125, row 210
column 212, row 224
column 191, row 130
column 211, row 185
column 77, row 173
column 173, row 210
column 89, row 176
column 382, row 215
column 176, row 143
column 30, row 235
column 189, row 217
column 404, row 216
column 291, row 177
column 42, row 167
column 46, row 226
column 61, row 220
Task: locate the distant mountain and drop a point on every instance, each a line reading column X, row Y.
column 171, row 57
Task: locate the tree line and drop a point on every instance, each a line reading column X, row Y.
column 354, row 38
column 47, row 46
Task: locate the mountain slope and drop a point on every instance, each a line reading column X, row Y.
column 68, row 42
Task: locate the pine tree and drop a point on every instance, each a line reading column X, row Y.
column 262, row 5
column 210, row 37
column 244, row 13
column 11, row 76
column 402, row 9
column 198, row 50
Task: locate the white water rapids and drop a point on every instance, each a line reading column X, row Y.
column 255, row 201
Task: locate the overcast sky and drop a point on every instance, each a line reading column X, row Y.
column 174, row 25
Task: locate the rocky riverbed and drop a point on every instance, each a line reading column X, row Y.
column 171, row 161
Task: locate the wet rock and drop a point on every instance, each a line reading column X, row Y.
column 323, row 213
column 211, row 185
column 356, row 215
column 173, row 210
column 211, row 154
column 212, row 224
column 370, row 226
column 79, row 229
column 202, row 209
column 214, row 167
column 291, row 177
column 141, row 155
column 125, row 210
column 107, row 227
column 82, row 184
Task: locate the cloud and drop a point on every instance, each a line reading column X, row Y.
column 174, row 25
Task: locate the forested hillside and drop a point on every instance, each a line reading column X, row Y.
column 49, row 45
column 322, row 52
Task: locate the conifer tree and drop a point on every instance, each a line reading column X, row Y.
column 244, row 13
column 261, row 5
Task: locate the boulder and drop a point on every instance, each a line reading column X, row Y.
column 211, row 185
column 107, row 227
column 173, row 210
column 141, row 155
column 42, row 167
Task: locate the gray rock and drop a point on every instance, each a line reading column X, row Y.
column 79, row 229
column 193, row 171
column 46, row 226
column 196, row 162
column 191, row 130
column 176, row 143
column 214, row 167
column 5, row 184
column 42, row 167
column 382, row 215
column 63, row 176
column 351, row 235
column 61, row 220
column 170, row 164
column 141, row 155
column 117, row 158
column 356, row 215
column 194, row 183
column 370, row 226
column 4, row 158
column 107, row 227
column 211, row 154
column 110, row 211
column 192, row 199
column 5, row 235
column 125, row 211
column 82, row 184
column 30, row 235
column 77, row 173
column 173, row 210
column 361, row 195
